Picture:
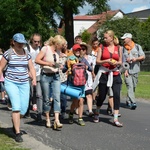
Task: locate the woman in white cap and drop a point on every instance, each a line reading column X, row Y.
column 18, row 64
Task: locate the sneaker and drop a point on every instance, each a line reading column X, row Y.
column 133, row 106
column 96, row 118
column 34, row 108
column 71, row 118
column 128, row 104
column 18, row 138
column 81, row 122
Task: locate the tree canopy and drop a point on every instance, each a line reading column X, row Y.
column 25, row 16
column 139, row 30
column 30, row 16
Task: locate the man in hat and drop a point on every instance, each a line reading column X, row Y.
column 133, row 54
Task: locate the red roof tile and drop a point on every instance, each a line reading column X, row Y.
column 99, row 19
column 96, row 17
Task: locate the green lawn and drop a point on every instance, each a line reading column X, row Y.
column 7, row 143
column 143, row 86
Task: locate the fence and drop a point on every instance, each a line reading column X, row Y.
column 146, row 65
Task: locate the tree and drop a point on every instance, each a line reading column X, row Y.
column 86, row 36
column 98, row 7
column 67, row 8
column 139, row 30
column 24, row 16
column 29, row 16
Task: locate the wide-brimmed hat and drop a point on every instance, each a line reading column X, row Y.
column 88, row 47
column 18, row 37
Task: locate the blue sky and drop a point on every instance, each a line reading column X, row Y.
column 126, row 6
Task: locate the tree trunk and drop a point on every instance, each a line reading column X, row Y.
column 69, row 26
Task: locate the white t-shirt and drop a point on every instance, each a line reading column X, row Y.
column 89, row 82
column 34, row 53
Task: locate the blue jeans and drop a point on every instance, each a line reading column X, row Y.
column 18, row 94
column 54, row 81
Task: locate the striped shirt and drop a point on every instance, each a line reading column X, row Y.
column 17, row 66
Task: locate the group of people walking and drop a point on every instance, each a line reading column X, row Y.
column 35, row 72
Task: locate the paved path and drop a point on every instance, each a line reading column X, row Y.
column 135, row 135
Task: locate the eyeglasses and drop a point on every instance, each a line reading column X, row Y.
column 54, row 55
column 36, row 41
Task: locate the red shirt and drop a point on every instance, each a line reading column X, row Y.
column 107, row 55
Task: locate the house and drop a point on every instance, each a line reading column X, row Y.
column 142, row 15
column 91, row 23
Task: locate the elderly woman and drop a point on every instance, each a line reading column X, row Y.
column 48, row 58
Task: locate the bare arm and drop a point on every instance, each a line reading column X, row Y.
column 32, row 72
column 3, row 64
column 120, row 56
column 39, row 60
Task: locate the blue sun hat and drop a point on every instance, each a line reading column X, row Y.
column 19, row 38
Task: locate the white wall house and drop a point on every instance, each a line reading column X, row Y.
column 87, row 22
column 80, row 25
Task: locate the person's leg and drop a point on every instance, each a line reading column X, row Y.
column 27, row 114
column 56, row 99
column 110, row 105
column 74, row 105
column 89, row 98
column 103, row 89
column 16, row 102
column 116, row 91
column 130, row 89
column 80, row 109
column 39, row 101
column 63, row 99
column 2, row 91
column 45, row 81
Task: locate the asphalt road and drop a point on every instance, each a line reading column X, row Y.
column 134, row 135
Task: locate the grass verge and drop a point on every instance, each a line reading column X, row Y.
column 7, row 143
column 143, row 86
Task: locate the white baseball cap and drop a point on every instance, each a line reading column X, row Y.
column 126, row 35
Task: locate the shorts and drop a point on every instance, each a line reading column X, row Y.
column 89, row 92
column 18, row 94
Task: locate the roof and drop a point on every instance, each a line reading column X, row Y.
column 96, row 17
column 102, row 18
column 140, row 14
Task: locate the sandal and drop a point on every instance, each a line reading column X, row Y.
column 118, row 124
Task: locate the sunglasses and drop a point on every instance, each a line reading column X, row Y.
column 54, row 56
column 36, row 41
column 83, row 48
